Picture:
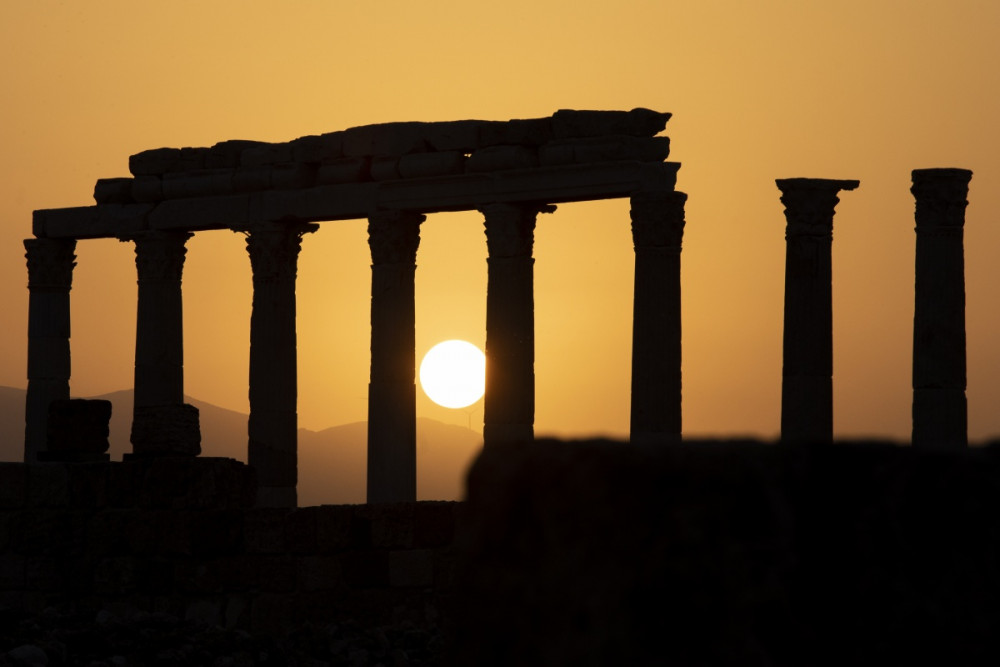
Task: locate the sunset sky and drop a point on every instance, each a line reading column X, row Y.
column 858, row 89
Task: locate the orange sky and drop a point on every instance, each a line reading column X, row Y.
column 865, row 89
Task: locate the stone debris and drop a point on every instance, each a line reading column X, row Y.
column 389, row 151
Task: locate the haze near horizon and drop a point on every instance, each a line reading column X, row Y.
column 860, row 90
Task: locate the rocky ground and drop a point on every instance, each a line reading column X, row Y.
column 142, row 639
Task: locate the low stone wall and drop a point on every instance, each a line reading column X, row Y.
column 735, row 553
column 180, row 536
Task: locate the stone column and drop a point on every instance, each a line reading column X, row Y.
column 50, row 275
column 272, row 447
column 657, row 229
column 509, row 402
column 393, row 237
column 939, row 402
column 161, row 424
column 807, row 369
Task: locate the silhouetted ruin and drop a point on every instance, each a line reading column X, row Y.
column 394, row 175
column 656, row 551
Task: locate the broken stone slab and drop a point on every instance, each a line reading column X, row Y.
column 78, row 430
column 146, row 189
column 266, row 155
column 457, row 135
column 201, row 213
column 495, row 158
column 343, row 170
column 248, row 179
column 385, row 168
column 293, row 175
column 569, row 123
column 166, row 430
column 164, row 160
column 181, row 185
column 90, row 222
column 385, row 139
column 439, row 163
column 227, row 154
column 318, row 148
column 604, row 149
column 113, row 191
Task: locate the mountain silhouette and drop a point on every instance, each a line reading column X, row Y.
column 332, row 462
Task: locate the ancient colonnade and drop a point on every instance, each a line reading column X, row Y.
column 394, row 175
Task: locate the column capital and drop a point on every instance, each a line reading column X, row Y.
column 510, row 227
column 657, row 219
column 810, row 203
column 393, row 236
column 940, row 198
column 50, row 263
column 159, row 255
column 274, row 248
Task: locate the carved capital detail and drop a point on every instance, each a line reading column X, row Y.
column 393, row 236
column 810, row 204
column 940, row 198
column 510, row 228
column 274, row 249
column 50, row 263
column 159, row 255
column 657, row 219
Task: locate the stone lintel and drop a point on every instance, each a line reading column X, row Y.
column 556, row 185
column 817, row 184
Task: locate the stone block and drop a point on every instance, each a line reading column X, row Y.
column 318, row 148
column 384, row 168
column 13, row 484
column 192, row 159
column 272, row 614
column 123, row 485
column 113, row 191
column 216, row 532
column 249, row 179
column 334, row 528
column 198, row 576
column 155, row 575
column 569, row 123
column 392, row 524
column 411, row 568
column 228, row 154
column 147, row 189
column 88, row 485
column 193, row 483
column 202, row 183
column 385, row 139
column 301, row 530
column 166, row 430
column 266, row 155
column 218, row 212
column 293, row 175
column 264, row 530
column 111, row 531
column 434, row 523
column 40, row 532
column 527, row 132
column 44, row 573
column 115, row 575
column 497, row 158
column 154, row 162
column 48, row 485
column 205, row 611
column 441, row 163
column 272, row 574
column 366, row 568
column 319, row 573
column 344, row 170
column 78, row 426
column 605, row 149
column 6, row 519
column 458, row 135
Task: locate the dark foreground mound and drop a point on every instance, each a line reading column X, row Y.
column 735, row 553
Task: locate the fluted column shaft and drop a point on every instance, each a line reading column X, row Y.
column 272, row 446
column 657, row 230
column 50, row 277
column 393, row 237
column 807, row 368
column 939, row 363
column 509, row 401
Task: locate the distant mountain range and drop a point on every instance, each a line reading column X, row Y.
column 331, row 462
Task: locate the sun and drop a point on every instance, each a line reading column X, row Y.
column 453, row 374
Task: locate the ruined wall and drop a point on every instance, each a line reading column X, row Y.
column 180, row 536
